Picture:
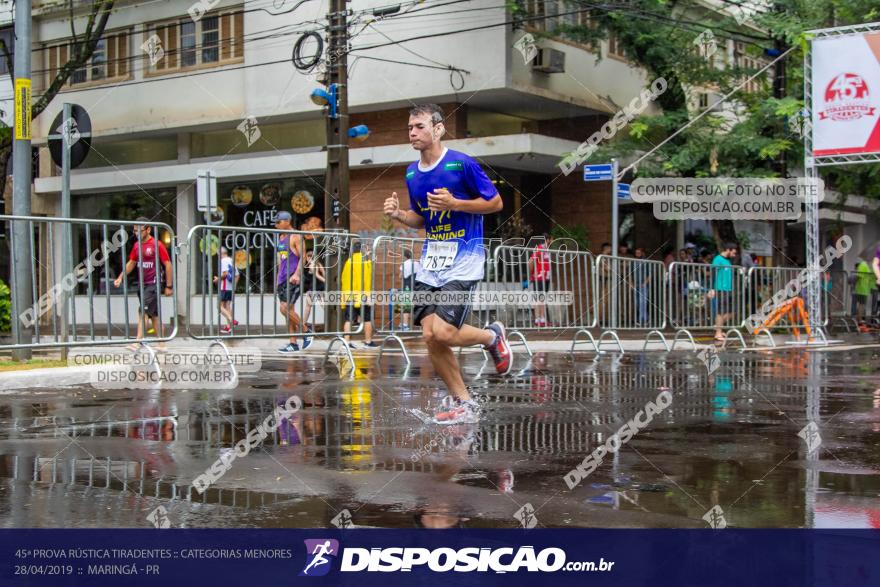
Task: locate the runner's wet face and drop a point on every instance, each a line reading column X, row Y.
column 422, row 132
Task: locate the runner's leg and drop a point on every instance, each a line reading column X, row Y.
column 442, row 355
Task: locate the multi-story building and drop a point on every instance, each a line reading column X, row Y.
column 170, row 94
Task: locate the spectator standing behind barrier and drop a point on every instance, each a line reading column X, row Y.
column 539, row 276
column 227, row 276
column 641, row 279
column 668, row 257
column 722, row 291
column 408, row 270
column 288, row 250
column 356, row 284
column 143, row 255
column 864, row 285
column 313, row 286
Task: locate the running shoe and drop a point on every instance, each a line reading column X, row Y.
column 460, row 413
column 306, row 342
column 235, row 322
column 225, row 329
column 500, row 351
column 371, row 344
column 291, row 347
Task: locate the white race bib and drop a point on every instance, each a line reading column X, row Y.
column 440, row 255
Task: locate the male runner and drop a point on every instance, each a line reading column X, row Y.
column 449, row 194
column 288, row 250
column 145, row 258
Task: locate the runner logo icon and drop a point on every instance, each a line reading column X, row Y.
column 319, row 554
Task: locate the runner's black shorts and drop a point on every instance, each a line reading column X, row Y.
column 454, row 314
column 150, row 301
column 225, row 295
column 352, row 313
column 287, row 293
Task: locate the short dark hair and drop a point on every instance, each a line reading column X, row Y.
column 433, row 110
column 605, row 245
column 729, row 245
column 407, row 254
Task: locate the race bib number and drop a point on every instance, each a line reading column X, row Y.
column 440, row 255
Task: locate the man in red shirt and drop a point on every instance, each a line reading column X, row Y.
column 147, row 262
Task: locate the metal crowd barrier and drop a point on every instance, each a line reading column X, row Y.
column 690, row 304
column 544, row 272
column 83, row 306
column 325, row 260
column 839, row 298
column 396, row 261
column 630, row 295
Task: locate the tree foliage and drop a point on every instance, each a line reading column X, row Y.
column 663, row 37
column 82, row 47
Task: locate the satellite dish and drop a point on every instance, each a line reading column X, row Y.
column 80, row 133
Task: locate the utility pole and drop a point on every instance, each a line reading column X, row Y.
column 21, row 179
column 336, row 213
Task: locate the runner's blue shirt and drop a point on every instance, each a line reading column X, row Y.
column 463, row 231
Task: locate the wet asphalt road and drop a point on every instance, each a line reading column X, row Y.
column 83, row 457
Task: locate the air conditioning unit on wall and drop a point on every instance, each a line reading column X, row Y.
column 549, row 61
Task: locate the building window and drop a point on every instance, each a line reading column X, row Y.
column 109, row 61
column 535, row 11
column 703, row 100
column 743, row 60
column 614, row 48
column 9, row 38
column 212, row 40
column 550, row 15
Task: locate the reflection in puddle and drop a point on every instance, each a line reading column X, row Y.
column 728, row 439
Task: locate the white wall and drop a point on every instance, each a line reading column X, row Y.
column 224, row 96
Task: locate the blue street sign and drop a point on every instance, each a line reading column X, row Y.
column 601, row 172
column 623, row 191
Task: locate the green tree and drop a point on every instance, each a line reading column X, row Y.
column 81, row 50
column 664, row 38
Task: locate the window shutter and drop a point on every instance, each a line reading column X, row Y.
column 122, row 54
column 62, row 60
column 53, row 64
column 238, row 35
column 226, row 38
column 111, row 55
column 172, row 49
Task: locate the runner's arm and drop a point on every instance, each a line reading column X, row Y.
column 410, row 218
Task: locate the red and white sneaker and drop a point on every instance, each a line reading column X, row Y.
column 455, row 412
column 225, row 329
column 500, row 351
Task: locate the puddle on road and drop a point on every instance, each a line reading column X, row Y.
column 87, row 458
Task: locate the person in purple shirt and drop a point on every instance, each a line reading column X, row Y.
column 288, row 249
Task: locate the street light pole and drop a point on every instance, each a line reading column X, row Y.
column 21, row 178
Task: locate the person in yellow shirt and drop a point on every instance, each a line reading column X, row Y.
column 356, row 283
